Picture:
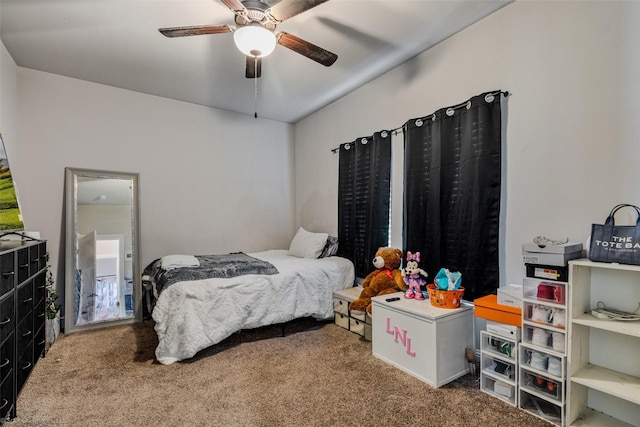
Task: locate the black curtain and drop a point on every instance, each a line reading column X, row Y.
column 364, row 185
column 452, row 178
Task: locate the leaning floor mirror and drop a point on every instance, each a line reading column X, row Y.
column 102, row 274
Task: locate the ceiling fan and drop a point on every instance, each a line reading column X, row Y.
column 254, row 33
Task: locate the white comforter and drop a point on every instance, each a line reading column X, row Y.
column 191, row 316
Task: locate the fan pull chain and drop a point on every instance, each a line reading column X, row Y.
column 255, row 85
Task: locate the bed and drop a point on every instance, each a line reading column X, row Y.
column 198, row 312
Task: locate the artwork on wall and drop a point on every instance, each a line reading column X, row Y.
column 10, row 215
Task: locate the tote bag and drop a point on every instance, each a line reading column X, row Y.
column 616, row 243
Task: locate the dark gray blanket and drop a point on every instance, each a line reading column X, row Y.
column 211, row 266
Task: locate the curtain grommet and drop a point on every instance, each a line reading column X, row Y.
column 450, row 112
column 364, row 141
column 433, row 117
column 419, row 123
column 347, row 146
column 468, row 105
column 384, row 134
column 489, row 97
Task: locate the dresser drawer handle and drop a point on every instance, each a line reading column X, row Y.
column 43, row 342
column 40, row 315
column 5, row 321
column 23, row 265
column 9, row 273
column 41, row 287
column 27, row 300
column 4, row 403
column 5, row 363
column 27, row 366
column 26, row 334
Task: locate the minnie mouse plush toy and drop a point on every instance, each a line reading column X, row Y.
column 412, row 275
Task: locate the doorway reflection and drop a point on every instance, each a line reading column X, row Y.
column 101, row 249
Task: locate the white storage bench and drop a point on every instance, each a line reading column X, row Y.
column 358, row 323
column 424, row 341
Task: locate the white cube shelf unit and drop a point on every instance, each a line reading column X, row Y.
column 542, row 376
column 603, row 367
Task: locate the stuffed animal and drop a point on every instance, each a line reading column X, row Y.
column 412, row 275
column 386, row 279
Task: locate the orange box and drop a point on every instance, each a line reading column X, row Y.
column 488, row 308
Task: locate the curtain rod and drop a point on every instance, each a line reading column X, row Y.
column 455, row 107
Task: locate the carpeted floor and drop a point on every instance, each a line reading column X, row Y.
column 323, row 376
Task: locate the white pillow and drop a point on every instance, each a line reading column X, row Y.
column 169, row 262
column 307, row 245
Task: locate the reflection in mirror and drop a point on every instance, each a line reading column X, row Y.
column 102, row 278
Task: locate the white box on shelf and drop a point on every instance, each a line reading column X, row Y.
column 511, row 295
column 565, row 248
column 558, row 255
column 504, row 330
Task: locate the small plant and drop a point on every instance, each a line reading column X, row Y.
column 51, row 296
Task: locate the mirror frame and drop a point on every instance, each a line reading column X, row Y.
column 71, row 196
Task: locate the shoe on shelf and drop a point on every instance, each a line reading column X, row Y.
column 545, row 291
column 540, row 314
column 558, row 294
column 557, row 317
column 558, row 342
column 540, row 337
column 538, row 361
column 554, row 366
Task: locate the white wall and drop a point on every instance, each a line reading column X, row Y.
column 210, row 181
column 573, row 132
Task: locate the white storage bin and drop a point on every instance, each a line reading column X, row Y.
column 542, row 385
column 498, row 367
column 545, row 314
column 542, row 362
column 546, row 291
column 341, row 306
column 545, row 338
column 356, row 326
column 342, row 320
column 498, row 346
column 497, row 388
column 343, row 297
column 541, row 408
column 424, row 341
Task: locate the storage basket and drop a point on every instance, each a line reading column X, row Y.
column 445, row 299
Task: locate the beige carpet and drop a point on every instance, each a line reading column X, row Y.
column 324, row 376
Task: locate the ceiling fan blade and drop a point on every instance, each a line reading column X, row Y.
column 234, row 5
column 197, row 30
column 253, row 68
column 289, row 8
column 307, row 49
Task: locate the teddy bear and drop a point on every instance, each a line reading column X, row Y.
column 386, row 279
column 413, row 276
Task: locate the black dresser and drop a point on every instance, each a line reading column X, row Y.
column 22, row 316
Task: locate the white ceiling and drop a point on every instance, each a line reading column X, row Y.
column 117, row 43
column 104, row 191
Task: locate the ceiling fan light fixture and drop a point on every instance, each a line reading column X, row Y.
column 254, row 40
